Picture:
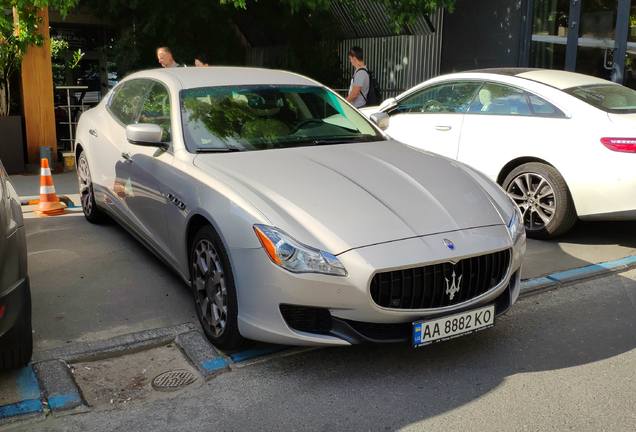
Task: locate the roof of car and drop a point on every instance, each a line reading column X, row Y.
column 193, row 77
column 555, row 78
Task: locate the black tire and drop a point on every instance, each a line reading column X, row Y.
column 544, row 199
column 214, row 290
column 16, row 345
column 87, row 195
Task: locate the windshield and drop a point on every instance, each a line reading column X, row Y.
column 268, row 117
column 610, row 98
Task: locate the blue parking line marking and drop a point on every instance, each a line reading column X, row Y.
column 591, row 268
column 27, row 384
column 575, row 272
column 251, row 353
column 535, row 281
column 24, row 407
column 59, row 401
column 619, row 262
column 216, row 363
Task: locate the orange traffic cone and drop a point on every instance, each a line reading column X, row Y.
column 49, row 203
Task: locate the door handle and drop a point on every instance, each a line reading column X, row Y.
column 443, row 128
column 93, row 132
column 126, row 156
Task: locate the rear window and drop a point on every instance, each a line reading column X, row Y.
column 610, row 98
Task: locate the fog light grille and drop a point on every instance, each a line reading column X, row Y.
column 307, row 319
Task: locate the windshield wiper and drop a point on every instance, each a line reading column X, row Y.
column 336, row 141
column 218, row 150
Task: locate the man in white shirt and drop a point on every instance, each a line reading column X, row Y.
column 359, row 88
column 164, row 55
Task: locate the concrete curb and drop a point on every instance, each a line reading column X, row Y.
column 558, row 280
column 201, row 354
column 115, row 346
column 24, row 414
column 62, row 394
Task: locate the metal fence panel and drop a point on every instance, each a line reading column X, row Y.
column 399, row 62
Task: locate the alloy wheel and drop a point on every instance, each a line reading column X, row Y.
column 535, row 197
column 210, row 289
column 85, row 185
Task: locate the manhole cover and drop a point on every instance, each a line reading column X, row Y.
column 173, row 380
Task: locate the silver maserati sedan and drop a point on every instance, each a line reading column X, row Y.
column 293, row 218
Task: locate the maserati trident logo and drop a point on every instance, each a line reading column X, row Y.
column 449, row 244
column 452, row 289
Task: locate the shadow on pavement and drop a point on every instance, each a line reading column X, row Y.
column 387, row 387
column 585, row 244
column 93, row 282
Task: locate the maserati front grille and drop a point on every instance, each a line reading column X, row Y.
column 440, row 285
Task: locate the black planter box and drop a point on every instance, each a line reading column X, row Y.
column 12, row 144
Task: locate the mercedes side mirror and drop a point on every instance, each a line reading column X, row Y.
column 146, row 134
column 381, row 120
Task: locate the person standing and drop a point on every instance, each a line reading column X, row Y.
column 202, row 60
column 164, row 55
column 359, row 88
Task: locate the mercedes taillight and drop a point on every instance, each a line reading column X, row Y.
column 624, row 145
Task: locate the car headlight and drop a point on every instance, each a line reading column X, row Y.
column 516, row 226
column 296, row 257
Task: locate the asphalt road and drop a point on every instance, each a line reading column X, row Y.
column 560, row 360
column 91, row 282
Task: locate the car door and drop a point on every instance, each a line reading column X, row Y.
column 146, row 172
column 504, row 123
column 431, row 118
column 107, row 136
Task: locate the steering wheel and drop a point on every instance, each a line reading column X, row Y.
column 433, row 106
column 303, row 123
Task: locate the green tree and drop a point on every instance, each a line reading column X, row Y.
column 401, row 12
column 19, row 30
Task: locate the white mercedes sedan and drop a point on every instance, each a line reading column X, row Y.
column 292, row 217
column 562, row 144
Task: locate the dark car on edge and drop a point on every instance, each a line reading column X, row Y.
column 16, row 338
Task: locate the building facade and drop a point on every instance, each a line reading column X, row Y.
column 593, row 37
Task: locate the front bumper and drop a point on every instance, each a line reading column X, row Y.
column 262, row 287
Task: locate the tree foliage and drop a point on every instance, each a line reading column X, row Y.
column 401, row 12
column 19, row 30
column 205, row 26
column 197, row 27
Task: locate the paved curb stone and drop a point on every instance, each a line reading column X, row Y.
column 62, row 394
column 115, row 346
column 201, row 354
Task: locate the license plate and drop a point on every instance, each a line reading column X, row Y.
column 441, row 329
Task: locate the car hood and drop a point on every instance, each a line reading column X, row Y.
column 346, row 196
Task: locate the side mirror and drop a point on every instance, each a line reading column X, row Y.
column 146, row 134
column 380, row 119
column 388, row 105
